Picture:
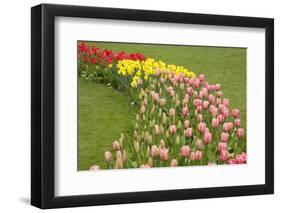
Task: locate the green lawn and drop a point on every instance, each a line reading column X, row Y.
column 104, row 112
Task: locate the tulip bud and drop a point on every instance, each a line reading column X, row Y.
column 136, row 146
column 150, row 161
column 147, row 152
column 115, row 145
column 154, row 151
column 150, row 139
column 186, row 124
column 108, row 156
column 162, row 143
column 179, row 126
column 240, row 132
column 125, row 155
column 174, row 163
column 157, row 129
column 164, row 119
column 177, row 140
column 94, row 168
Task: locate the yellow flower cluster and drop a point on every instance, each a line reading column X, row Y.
column 148, row 67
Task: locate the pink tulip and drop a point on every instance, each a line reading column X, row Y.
column 207, row 137
column 199, row 143
column 142, row 109
column 174, row 163
column 162, row 143
column 192, row 156
column 240, row 132
column 205, row 104
column 215, row 122
column 201, row 77
column 164, row 154
column 217, row 87
column 197, row 102
column 200, row 117
column 188, row 132
column 115, row 145
column 94, row 168
column 145, row 166
column 190, row 90
column 108, row 156
column 157, row 129
column 172, row 112
column 224, row 137
column 186, row 124
column 198, row 155
column 196, row 83
column 154, row 151
column 201, row 127
column 220, row 118
column 211, row 99
column 235, row 113
column 225, row 112
column 199, row 108
column 155, row 97
column 225, row 102
column 219, row 94
column 222, row 146
column 227, row 126
column 162, row 102
column 224, row 155
column 185, row 151
column 237, row 122
column 218, row 101
column 173, row 129
column 184, row 111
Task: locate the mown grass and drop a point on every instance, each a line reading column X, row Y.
column 98, row 104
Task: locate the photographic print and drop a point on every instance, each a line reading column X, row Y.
column 160, row 105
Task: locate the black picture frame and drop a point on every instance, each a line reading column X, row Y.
column 43, row 102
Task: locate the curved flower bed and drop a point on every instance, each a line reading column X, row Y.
column 181, row 119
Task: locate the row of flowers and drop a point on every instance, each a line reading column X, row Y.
column 181, row 119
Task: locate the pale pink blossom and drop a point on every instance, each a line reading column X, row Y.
column 142, row 109
column 211, row 98
column 224, row 155
column 154, row 151
column 188, row 132
column 215, row 122
column 198, row 155
column 222, row 146
column 240, row 132
column 201, row 77
column 173, row 129
column 237, row 122
column 115, row 145
column 185, row 151
column 225, row 102
column 224, row 137
column 217, row 87
column 164, row 154
column 94, row 168
column 207, row 137
column 162, row 102
column 184, row 111
column 201, row 127
column 200, row 117
column 235, row 113
column 108, row 156
column 172, row 112
column 205, row 104
column 199, row 143
column 145, row 166
column 186, row 124
column 174, row 163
